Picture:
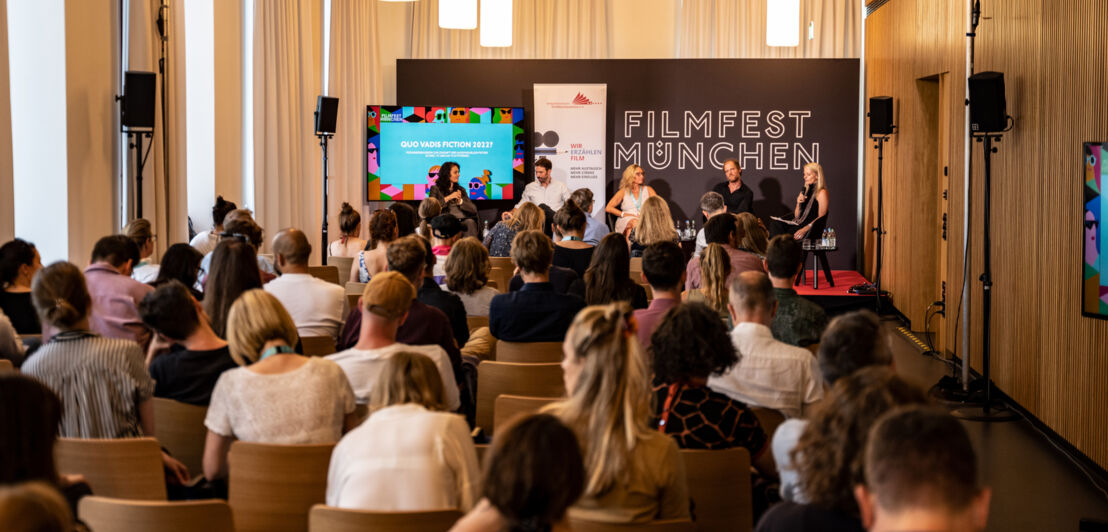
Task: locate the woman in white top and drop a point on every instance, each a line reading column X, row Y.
column 631, row 194
column 382, row 231
column 409, row 455
column 205, row 242
column 467, row 275
column 140, row 231
column 277, row 396
column 350, row 224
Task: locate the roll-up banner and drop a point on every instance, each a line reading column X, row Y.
column 571, row 130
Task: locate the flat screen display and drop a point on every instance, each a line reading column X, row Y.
column 1094, row 289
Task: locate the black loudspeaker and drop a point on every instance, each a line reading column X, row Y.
column 138, row 99
column 988, row 109
column 881, row 115
column 325, row 110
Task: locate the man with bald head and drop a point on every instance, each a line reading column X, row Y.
column 315, row 305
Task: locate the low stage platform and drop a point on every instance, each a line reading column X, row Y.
column 836, row 299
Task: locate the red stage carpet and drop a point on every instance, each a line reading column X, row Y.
column 844, row 279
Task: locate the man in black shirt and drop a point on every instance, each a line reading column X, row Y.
column 736, row 195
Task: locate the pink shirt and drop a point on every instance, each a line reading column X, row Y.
column 648, row 318
column 115, row 299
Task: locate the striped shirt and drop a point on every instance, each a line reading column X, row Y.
column 100, row 382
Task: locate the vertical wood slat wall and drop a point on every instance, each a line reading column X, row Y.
column 1045, row 355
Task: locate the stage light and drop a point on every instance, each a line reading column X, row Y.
column 782, row 22
column 496, row 23
column 458, row 14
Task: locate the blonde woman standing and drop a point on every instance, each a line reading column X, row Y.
column 630, row 197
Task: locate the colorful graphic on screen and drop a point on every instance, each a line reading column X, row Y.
column 406, row 146
column 1094, row 290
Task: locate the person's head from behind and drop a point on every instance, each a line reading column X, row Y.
column 543, row 166
column 60, row 296
column 711, row 204
column 350, row 221
column 721, row 230
column 170, row 311
column 234, row 271
column 663, row 265
column 408, row 257
column 291, row 250
column 240, row 224
column 408, row 378
column 655, row 223
column 754, row 237
column 784, row 258
column 920, row 467
column 532, row 252
column 116, row 251
column 406, row 218
column 533, row 472
column 445, row 230
column 142, row 233
column 609, row 268
column 691, row 343
column 583, row 198
column 829, row 454
column 467, row 266
column 19, row 261
column 715, row 269
column 529, row 217
column 382, row 228
column 34, row 507
column 853, row 341
column 428, row 209
column 29, row 417
column 256, row 318
column 220, row 210
column 752, row 299
column 570, row 220
column 181, row 262
column 386, row 300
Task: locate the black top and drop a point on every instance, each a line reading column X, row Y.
column 449, row 304
column 461, row 211
column 534, row 313
column 560, row 277
column 792, row 517
column 17, row 306
column 575, row 259
column 627, row 290
column 699, row 418
column 189, row 376
column 742, row 200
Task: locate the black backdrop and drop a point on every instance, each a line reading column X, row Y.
column 680, row 118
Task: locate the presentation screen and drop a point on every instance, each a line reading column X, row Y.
column 405, row 147
column 1094, row 290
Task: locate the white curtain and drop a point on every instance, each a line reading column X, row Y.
column 541, row 29
column 737, row 29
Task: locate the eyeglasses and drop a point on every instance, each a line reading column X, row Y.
column 1089, row 224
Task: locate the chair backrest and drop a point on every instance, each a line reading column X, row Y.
column 330, row 519
column 317, row 346
column 501, row 277
column 769, row 419
column 498, row 378
column 507, row 407
column 476, row 322
column 104, row 514
column 636, row 270
column 125, row 468
column 669, row 525
column 719, row 485
column 327, row 273
column 272, row 487
column 501, row 262
column 494, row 285
column 528, row 351
column 355, row 288
column 6, row 366
column 181, row 429
column 343, row 264
column 352, row 301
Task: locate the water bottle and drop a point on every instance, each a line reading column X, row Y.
column 484, row 229
column 688, row 229
column 823, row 239
column 833, row 242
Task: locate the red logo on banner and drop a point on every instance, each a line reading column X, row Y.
column 580, row 99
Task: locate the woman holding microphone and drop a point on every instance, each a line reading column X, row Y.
column 812, row 205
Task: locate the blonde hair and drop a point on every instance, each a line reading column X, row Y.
column 715, row 268
column 408, row 378
column 628, row 176
column 529, row 217
column 755, row 239
column 257, row 317
column 428, row 208
column 34, row 507
column 820, row 182
column 609, row 407
column 467, row 266
column 655, row 223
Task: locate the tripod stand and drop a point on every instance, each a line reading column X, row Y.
column 140, row 161
column 879, row 143
column 323, row 137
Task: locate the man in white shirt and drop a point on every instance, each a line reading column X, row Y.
column 544, row 190
column 316, row 306
column 711, row 204
column 384, row 307
column 771, row 374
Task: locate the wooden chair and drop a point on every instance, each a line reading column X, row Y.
column 6, row 366
column 352, row 301
column 355, row 288
column 317, row 346
column 502, row 262
column 476, row 322
column 330, row 519
column 30, row 339
column 343, row 264
column 636, row 270
column 498, row 378
column 482, row 451
column 180, row 428
column 669, row 525
column 529, row 352
column 104, row 514
column 272, row 487
column 507, row 407
column 327, row 273
column 493, row 284
column 125, row 468
column 769, row 419
column 719, row 485
column 502, row 277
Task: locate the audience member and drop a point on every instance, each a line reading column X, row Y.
column 115, row 295
column 608, row 278
column 921, row 474
column 205, row 242
column 711, row 204
column 634, row 474
column 445, row 231
column 663, row 267
column 406, row 218
column 594, row 229
column 571, row 251
column 384, row 306
column 34, row 507
column 409, row 455
column 429, row 208
column 528, row 217
column 467, row 276
column 234, row 271
column 196, row 357
column 277, row 396
column 371, row 261
column 564, row 280
column 755, row 236
column 140, row 231
column 772, row 374
column 724, row 230
column 454, row 198
column 19, row 261
column 239, row 225
column 316, row 306
column 715, row 270
column 11, row 346
column 349, row 243
column 655, row 225
column 798, row 321
column 535, row 313
column 432, row 294
column 533, row 473
column 181, row 262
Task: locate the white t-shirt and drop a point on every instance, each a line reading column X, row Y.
column 477, row 303
column 205, row 242
column 553, row 195
column 145, row 272
column 362, row 366
column 405, row 458
column 771, row 374
column 304, row 406
column 317, row 307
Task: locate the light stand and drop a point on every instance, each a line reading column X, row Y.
column 879, row 143
column 135, row 141
column 323, row 137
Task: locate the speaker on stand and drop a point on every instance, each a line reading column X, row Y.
column 880, row 127
column 326, row 111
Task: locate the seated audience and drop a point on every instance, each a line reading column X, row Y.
column 711, row 204
column 829, row 458
column 277, row 396
column 316, row 306
column 564, row 281
column 239, row 224
column 205, row 242
column 535, row 313
column 181, row 262
column 196, row 357
column 371, row 261
column 11, row 346
column 349, row 243
column 755, row 236
column 772, row 374
column 594, row 229
column 715, row 270
column 445, row 231
column 234, row 271
column 115, row 295
column 655, row 225
column 35, row 507
column 19, row 261
column 528, row 217
column 429, row 208
column 409, row 455
column 798, row 321
column 432, row 294
column 454, row 197
column 467, row 276
column 724, row 230
column 140, row 231
column 406, row 218
column 384, row 306
column 663, row 267
column 921, row 474
column 608, row 278
column 571, row 251
column 533, row 472
column 634, row 474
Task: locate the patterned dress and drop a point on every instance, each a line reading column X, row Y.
column 700, row 418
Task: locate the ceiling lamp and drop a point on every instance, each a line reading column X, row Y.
column 782, row 22
column 496, row 23
column 458, row 14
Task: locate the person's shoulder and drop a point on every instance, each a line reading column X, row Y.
column 325, row 366
column 432, row 351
